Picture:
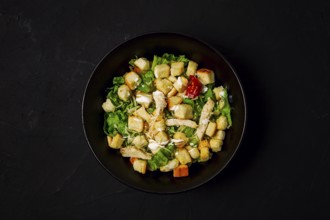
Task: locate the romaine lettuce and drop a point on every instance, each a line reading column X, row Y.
column 147, row 84
column 161, row 158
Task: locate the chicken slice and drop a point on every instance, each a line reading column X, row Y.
column 131, row 151
column 161, row 103
column 179, row 122
column 204, row 119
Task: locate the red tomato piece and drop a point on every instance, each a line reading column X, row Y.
column 194, row 87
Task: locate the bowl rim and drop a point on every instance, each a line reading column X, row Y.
column 118, row 45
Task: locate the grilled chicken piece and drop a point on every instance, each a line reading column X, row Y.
column 131, row 151
column 160, row 102
column 179, row 122
column 204, row 119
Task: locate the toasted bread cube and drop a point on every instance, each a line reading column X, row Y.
column 143, row 99
column 205, row 76
column 180, row 139
column 140, row 166
column 172, row 164
column 181, row 84
column 172, row 93
column 204, row 154
column 161, row 138
column 222, row 122
column 142, row 63
column 218, row 92
column 109, row 139
column 220, row 134
column 124, row 92
column 160, row 125
column 162, row 71
column 177, row 68
column 193, row 151
column 181, row 171
column 192, row 67
column 216, row 145
column 211, row 128
column 183, row 111
column 135, row 123
column 108, row 106
column 117, row 141
column 140, row 141
column 163, row 85
column 203, row 143
column 142, row 113
column 172, row 79
column 183, row 156
column 132, row 80
column 173, row 101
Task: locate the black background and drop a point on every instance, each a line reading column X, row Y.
column 281, row 51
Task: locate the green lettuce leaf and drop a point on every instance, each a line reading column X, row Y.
column 188, row 131
column 209, row 93
column 147, row 83
column 119, row 80
column 226, row 110
column 161, row 158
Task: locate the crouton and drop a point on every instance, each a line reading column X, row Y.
column 183, row 156
column 203, row 143
column 180, row 139
column 160, row 125
column 211, row 128
column 142, row 63
column 181, row 171
column 220, row 134
column 172, row 101
column 215, row 145
column 140, row 141
column 192, row 67
column 218, row 92
column 162, row 138
column 140, row 166
column 183, row 111
column 109, row 139
column 222, row 122
column 205, row 76
column 108, row 106
column 172, row 93
column 204, row 154
column 117, row 141
column 177, row 68
column 163, row 85
column 132, row 80
column 162, row 71
column 124, row 92
column 142, row 113
column 181, row 84
column 135, row 123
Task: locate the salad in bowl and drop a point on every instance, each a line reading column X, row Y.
column 166, row 113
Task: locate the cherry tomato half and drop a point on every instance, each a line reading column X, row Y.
column 194, row 87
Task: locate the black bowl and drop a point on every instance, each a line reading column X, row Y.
column 115, row 63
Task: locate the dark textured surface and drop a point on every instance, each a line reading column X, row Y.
column 281, row 51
